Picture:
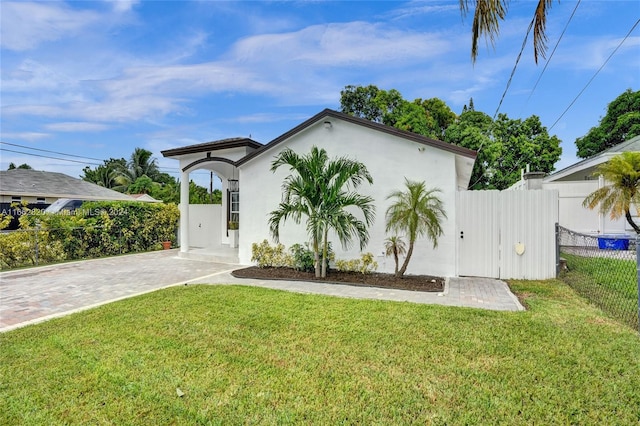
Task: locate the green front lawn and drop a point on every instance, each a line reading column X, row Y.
column 252, row 355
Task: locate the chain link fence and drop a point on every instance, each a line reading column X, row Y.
column 32, row 247
column 603, row 269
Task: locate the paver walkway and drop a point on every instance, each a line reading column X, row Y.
column 36, row 294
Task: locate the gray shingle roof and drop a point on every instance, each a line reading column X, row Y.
column 36, row 183
column 632, row 144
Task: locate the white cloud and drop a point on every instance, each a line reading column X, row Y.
column 268, row 117
column 419, row 8
column 591, row 53
column 26, row 25
column 344, row 44
column 303, row 67
column 32, row 75
column 76, row 127
column 122, row 6
column 25, row 136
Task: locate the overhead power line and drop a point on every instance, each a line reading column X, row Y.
column 50, row 157
column 52, row 152
column 553, row 51
column 594, row 76
column 513, row 71
column 88, row 163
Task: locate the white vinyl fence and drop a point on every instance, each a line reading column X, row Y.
column 507, row 234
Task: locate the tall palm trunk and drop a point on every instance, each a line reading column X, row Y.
column 316, row 256
column 395, row 258
column 635, row 227
column 402, row 270
column 325, row 252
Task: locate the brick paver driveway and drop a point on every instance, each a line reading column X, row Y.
column 29, row 295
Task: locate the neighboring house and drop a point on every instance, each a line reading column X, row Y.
column 40, row 189
column 251, row 191
column 577, row 181
column 144, row 198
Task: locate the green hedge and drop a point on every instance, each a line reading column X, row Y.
column 99, row 228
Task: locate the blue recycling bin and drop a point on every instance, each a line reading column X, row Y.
column 613, row 242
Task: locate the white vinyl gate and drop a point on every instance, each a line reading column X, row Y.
column 507, row 234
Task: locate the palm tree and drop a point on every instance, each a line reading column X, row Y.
column 322, row 190
column 141, row 163
column 394, row 246
column 622, row 173
column 489, row 13
column 416, row 212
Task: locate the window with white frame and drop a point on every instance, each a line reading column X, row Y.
column 234, row 207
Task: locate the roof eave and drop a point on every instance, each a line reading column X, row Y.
column 211, row 146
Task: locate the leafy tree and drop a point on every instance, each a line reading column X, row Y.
column 12, row 166
column 411, row 117
column 167, row 192
column 142, row 185
column 428, row 117
column 415, row 212
column 323, row 192
column 622, row 175
column 518, row 143
column 621, row 123
column 140, row 175
column 141, row 163
column 439, row 115
column 200, row 195
column 371, row 103
column 473, row 130
column 504, row 147
column 489, row 13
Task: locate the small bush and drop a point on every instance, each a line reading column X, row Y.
column 365, row 265
column 304, row 260
column 270, row 257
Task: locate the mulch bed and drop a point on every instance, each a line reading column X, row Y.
column 408, row 282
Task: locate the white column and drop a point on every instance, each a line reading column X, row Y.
column 184, row 212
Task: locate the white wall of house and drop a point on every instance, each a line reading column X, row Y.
column 388, row 158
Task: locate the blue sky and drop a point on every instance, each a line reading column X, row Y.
column 98, row 79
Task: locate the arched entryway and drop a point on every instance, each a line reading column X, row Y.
column 219, row 158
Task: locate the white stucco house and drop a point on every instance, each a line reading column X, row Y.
column 575, row 182
column 251, row 190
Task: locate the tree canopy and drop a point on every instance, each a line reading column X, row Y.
column 12, row 166
column 621, row 123
column 141, row 175
column 504, row 146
